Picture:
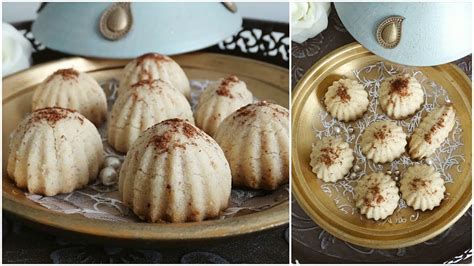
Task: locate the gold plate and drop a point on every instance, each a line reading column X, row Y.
column 264, row 80
column 306, row 104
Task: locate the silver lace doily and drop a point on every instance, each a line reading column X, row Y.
column 103, row 202
column 447, row 158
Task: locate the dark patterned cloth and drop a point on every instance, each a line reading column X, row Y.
column 260, row 40
column 23, row 244
column 310, row 243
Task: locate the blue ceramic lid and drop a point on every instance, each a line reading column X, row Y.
column 430, row 33
column 167, row 28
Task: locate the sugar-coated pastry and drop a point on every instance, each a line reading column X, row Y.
column 376, row 196
column 422, row 187
column 144, row 104
column 54, row 150
column 255, row 140
column 219, row 100
column 331, row 159
column 433, row 129
column 383, row 141
column 175, row 173
column 401, row 96
column 346, row 100
column 69, row 88
column 155, row 66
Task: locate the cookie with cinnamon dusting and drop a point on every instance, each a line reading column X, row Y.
column 331, row 159
column 401, row 96
column 219, row 100
column 433, row 129
column 383, row 141
column 376, row 196
column 346, row 100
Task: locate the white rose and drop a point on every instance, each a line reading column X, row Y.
column 308, row 19
column 16, row 50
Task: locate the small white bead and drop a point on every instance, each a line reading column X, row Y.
column 396, row 178
column 351, row 130
column 397, row 173
column 389, row 172
column 112, row 162
column 337, row 130
column 356, row 168
column 108, row 176
column 429, row 161
column 353, row 175
column 448, row 101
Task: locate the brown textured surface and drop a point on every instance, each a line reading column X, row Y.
column 343, row 95
column 439, row 124
column 145, row 82
column 66, row 74
column 52, row 114
column 175, row 126
column 329, row 155
column 152, row 56
column 399, row 86
column 224, row 87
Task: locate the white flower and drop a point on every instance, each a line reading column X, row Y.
column 16, row 50
column 308, row 19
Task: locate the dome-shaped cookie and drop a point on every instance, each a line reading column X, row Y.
column 155, row 66
column 383, row 141
column 255, row 140
column 422, row 187
column 146, row 103
column 331, row 159
column 53, row 151
column 175, row 173
column 376, row 196
column 346, row 100
column 401, row 96
column 69, row 88
column 433, row 129
column 219, row 100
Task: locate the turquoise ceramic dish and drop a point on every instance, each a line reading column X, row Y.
column 431, row 34
column 167, row 28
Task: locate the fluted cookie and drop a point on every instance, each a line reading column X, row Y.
column 54, row 150
column 433, row 129
column 422, row 187
column 376, row 196
column 331, row 159
column 401, row 96
column 383, row 141
column 175, row 173
column 346, row 100
column 71, row 89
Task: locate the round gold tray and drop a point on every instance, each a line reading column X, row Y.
column 306, row 104
column 264, row 80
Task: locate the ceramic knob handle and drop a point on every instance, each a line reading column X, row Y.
column 231, row 6
column 389, row 32
column 116, row 21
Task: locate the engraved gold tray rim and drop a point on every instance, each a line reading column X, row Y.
column 15, row 202
column 319, row 213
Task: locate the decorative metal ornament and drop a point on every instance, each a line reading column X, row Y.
column 231, row 6
column 356, row 168
column 116, row 21
column 389, row 32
